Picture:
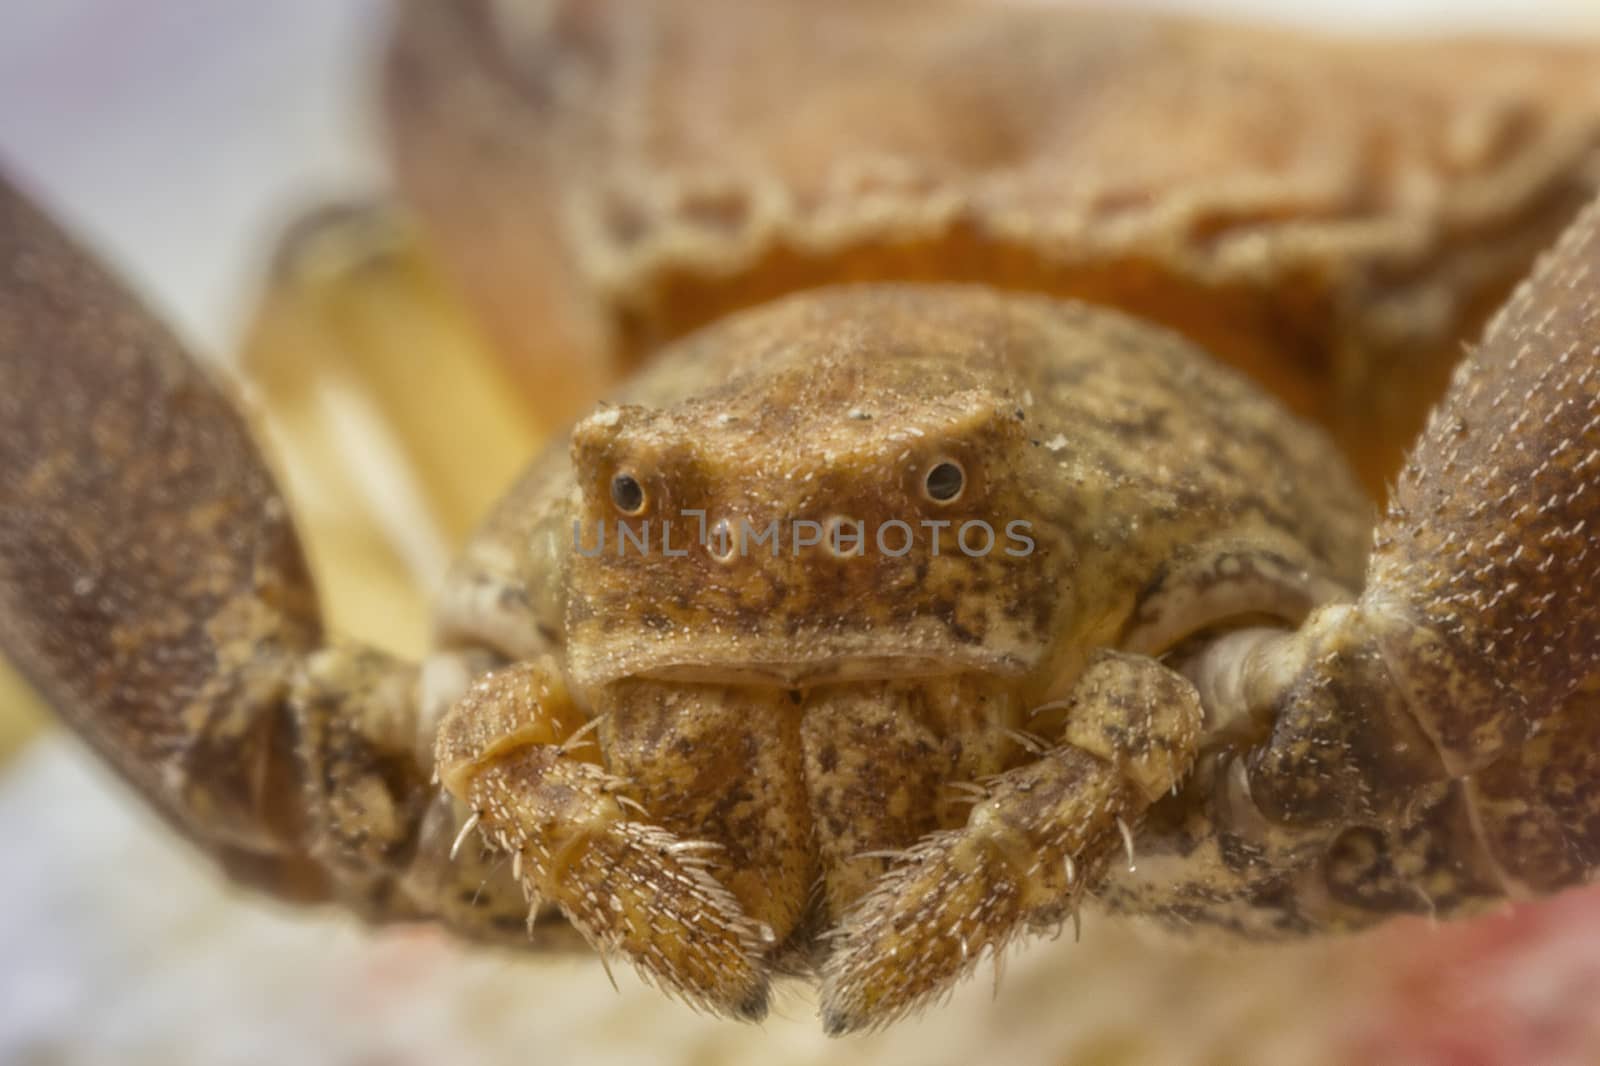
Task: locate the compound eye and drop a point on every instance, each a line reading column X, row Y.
column 627, row 494
column 944, row 481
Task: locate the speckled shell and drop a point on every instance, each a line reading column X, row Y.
column 1333, row 216
column 1137, row 462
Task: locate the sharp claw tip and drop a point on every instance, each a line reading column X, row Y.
column 461, row 838
column 753, row 1008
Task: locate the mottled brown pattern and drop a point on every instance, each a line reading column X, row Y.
column 880, row 768
column 150, row 583
column 1025, row 856
column 1432, row 866
column 722, row 765
column 875, row 771
column 886, row 762
column 1469, row 661
column 512, row 750
column 817, row 717
column 152, row 589
column 1492, row 541
column 1344, row 744
column 1334, row 216
column 1539, row 804
column 835, row 404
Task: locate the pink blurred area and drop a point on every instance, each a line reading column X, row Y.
column 1521, row 987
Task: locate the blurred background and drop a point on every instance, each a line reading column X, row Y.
column 182, row 138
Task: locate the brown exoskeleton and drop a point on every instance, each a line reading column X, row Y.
column 979, row 590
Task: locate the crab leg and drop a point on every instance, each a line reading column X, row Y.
column 1025, row 854
column 516, row 752
column 1469, row 669
column 153, row 590
column 1489, row 560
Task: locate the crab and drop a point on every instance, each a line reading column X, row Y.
column 980, row 521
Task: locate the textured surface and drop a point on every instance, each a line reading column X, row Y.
column 1493, row 536
column 153, row 959
column 1159, row 493
column 1439, row 731
column 1476, row 641
column 1492, row 545
column 150, row 582
column 153, row 589
column 1334, row 216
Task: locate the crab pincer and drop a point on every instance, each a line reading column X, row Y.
column 1026, row 854
column 513, row 751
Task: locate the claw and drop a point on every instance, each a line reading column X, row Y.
column 581, row 737
column 625, row 890
column 1044, row 832
column 461, row 838
column 958, row 894
column 925, row 926
column 1127, row 843
column 632, row 889
column 633, row 805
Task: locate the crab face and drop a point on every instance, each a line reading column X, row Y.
column 833, row 514
column 782, row 685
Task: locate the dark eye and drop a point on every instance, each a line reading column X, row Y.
column 627, row 494
column 944, row 481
